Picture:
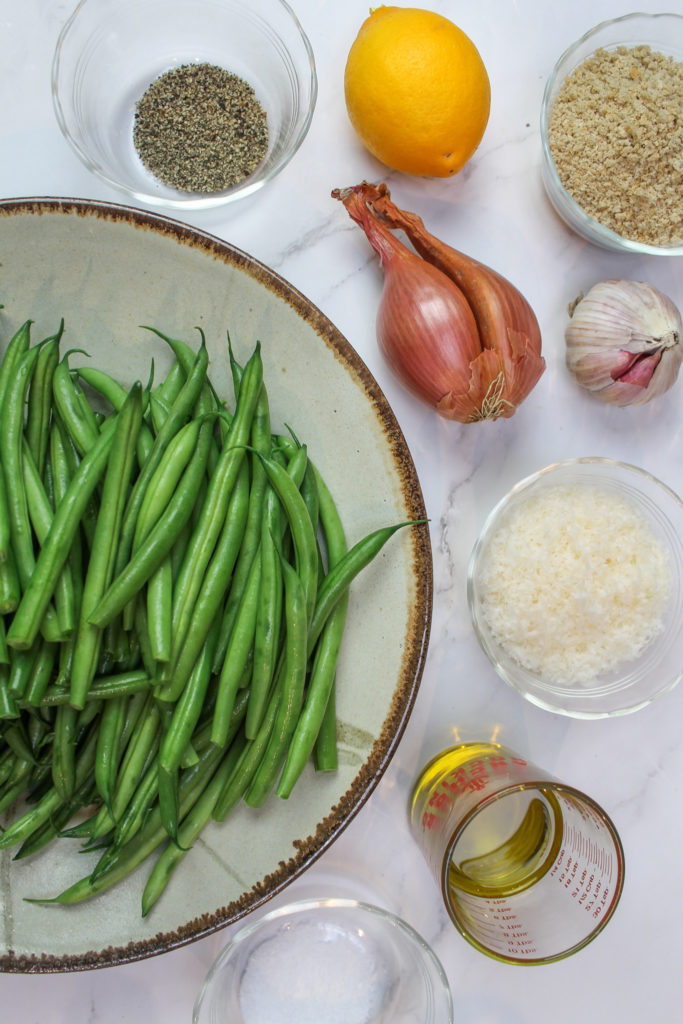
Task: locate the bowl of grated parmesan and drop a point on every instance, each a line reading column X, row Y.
column 575, row 588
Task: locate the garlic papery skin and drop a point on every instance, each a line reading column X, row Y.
column 624, row 342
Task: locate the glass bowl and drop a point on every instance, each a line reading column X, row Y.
column 664, row 34
column 337, row 961
column 108, row 54
column 637, row 679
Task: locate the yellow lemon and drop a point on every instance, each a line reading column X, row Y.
column 417, row 92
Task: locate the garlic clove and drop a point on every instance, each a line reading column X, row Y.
column 624, row 342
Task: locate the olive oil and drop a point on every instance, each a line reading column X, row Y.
column 505, row 841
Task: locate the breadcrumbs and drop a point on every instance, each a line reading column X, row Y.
column 616, row 136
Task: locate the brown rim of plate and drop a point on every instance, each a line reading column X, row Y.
column 417, row 639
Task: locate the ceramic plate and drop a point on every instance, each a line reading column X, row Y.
column 107, row 270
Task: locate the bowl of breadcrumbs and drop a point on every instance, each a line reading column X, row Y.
column 612, row 135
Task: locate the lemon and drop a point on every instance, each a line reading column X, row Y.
column 417, row 91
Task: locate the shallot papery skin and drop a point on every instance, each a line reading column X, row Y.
column 509, row 363
column 625, row 342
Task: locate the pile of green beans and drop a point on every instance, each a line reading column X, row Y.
column 174, row 582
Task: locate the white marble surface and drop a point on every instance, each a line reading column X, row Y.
column 495, row 209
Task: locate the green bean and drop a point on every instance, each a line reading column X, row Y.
column 294, row 678
column 251, row 534
column 192, row 824
column 40, row 403
column 16, row 739
column 340, row 576
column 266, row 632
column 64, row 751
column 107, row 533
column 131, row 821
column 116, row 395
column 52, row 828
column 301, row 527
column 11, row 446
column 159, row 541
column 142, row 748
column 237, row 654
column 180, row 412
column 20, row 670
column 54, row 552
column 28, row 823
column 147, row 839
column 17, row 346
column 214, row 508
column 8, row 705
column 73, row 408
column 159, row 611
column 165, row 479
column 179, row 733
column 16, row 786
column 248, row 761
column 41, row 515
column 102, row 688
column 41, row 674
column 210, row 596
column 320, row 716
column 10, row 587
column 108, row 737
column 170, row 386
column 4, row 649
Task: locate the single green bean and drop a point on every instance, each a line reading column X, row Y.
column 21, row 669
column 39, row 412
column 294, row 678
column 107, row 533
column 159, row 611
column 301, row 527
column 237, row 654
column 106, row 756
column 11, row 454
column 41, row 676
column 186, row 715
column 64, row 751
column 266, row 632
column 340, row 576
column 73, row 407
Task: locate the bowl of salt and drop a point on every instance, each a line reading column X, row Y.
column 340, row 961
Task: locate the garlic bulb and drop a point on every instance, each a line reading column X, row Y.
column 625, row 342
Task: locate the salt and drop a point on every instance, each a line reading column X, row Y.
column 314, row 974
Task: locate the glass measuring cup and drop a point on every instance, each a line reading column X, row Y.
column 530, row 869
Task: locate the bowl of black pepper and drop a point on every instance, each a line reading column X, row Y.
column 612, row 135
column 184, row 104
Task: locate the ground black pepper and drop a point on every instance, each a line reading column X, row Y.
column 200, row 128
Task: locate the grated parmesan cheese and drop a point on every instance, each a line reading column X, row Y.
column 575, row 583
